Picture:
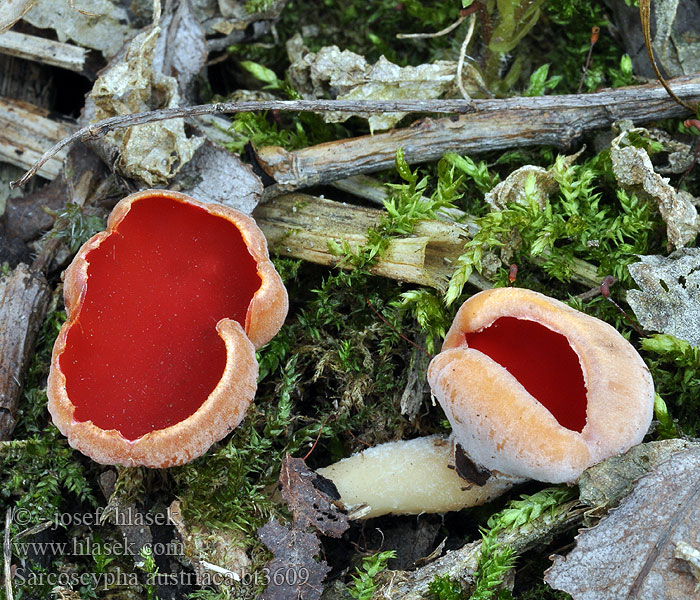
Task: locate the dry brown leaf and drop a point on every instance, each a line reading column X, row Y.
column 181, row 49
column 668, row 300
column 152, row 152
column 311, row 498
column 634, row 171
column 293, row 573
column 512, row 188
column 631, row 553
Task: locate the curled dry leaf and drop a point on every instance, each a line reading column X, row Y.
column 634, row 171
column 668, row 300
column 348, row 76
column 311, row 498
column 152, row 152
column 542, row 183
column 293, row 573
column 631, row 553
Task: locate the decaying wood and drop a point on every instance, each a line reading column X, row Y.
column 48, row 52
column 301, row 226
column 26, row 131
column 24, row 299
column 493, row 125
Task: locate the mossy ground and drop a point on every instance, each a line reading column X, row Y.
column 331, row 380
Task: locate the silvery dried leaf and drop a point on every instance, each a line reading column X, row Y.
column 632, row 552
column 668, row 300
column 152, row 152
column 107, row 33
column 347, row 76
column 634, row 171
column 181, row 49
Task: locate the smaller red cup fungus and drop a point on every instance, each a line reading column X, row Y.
column 156, row 360
column 533, row 389
column 536, row 389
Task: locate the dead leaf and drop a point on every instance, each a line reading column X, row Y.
column 181, row 49
column 544, row 184
column 216, row 175
column 348, row 76
column 668, row 300
column 293, row 572
column 311, row 498
column 12, row 11
column 108, row 33
column 152, row 152
column 631, row 553
column 634, row 171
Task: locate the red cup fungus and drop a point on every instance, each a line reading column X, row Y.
column 533, row 389
column 536, row 389
column 166, row 308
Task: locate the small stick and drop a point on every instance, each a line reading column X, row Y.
column 318, row 437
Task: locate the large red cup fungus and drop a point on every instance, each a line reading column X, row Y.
column 534, row 388
column 165, row 310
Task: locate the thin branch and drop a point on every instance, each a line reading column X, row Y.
column 100, row 128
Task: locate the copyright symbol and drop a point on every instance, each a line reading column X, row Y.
column 21, row 516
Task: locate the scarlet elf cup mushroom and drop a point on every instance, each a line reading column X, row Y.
column 166, row 308
column 533, row 389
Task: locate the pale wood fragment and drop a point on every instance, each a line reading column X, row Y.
column 42, row 50
column 302, row 226
column 26, row 131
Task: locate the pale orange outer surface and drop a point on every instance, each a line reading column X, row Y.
column 502, row 427
column 225, row 406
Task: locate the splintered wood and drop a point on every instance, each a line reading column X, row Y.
column 301, row 226
column 26, row 131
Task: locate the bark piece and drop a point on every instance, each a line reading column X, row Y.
column 311, row 498
column 24, row 299
column 293, row 572
column 49, row 52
